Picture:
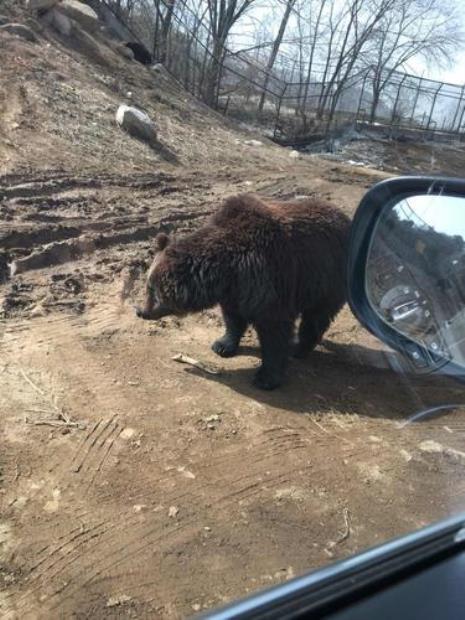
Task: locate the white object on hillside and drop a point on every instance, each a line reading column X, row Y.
column 137, row 123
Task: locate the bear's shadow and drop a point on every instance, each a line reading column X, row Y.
column 343, row 378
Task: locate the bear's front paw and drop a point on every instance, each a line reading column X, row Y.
column 224, row 347
column 267, row 380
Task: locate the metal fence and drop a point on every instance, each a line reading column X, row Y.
column 293, row 109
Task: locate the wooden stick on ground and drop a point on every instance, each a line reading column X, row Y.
column 186, row 359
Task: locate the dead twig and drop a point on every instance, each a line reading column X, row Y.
column 185, row 359
column 346, row 533
column 343, row 535
column 35, row 387
column 61, row 420
column 331, row 433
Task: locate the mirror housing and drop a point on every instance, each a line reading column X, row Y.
column 406, row 315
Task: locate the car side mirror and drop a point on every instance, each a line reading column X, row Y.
column 407, row 270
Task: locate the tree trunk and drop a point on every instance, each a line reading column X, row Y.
column 274, row 51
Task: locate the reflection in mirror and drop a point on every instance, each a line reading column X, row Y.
column 415, row 275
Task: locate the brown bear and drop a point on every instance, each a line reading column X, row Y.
column 266, row 263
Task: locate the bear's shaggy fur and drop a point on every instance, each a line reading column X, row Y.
column 266, row 263
column 141, row 54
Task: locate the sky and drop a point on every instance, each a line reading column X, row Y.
column 455, row 74
column 445, row 214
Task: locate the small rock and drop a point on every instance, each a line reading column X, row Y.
column 407, row 456
column 431, row 446
column 20, row 31
column 38, row 311
column 115, row 601
column 139, row 507
column 294, row 154
column 213, row 418
column 253, row 142
column 127, row 433
column 137, row 123
column 196, row 607
column 173, row 512
column 207, row 529
column 211, row 427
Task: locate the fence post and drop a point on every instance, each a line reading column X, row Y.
column 361, row 97
column 461, row 120
column 394, row 109
column 458, row 108
column 433, row 104
column 417, row 94
column 278, row 111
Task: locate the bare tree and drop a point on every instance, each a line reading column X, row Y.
column 412, row 29
column 353, row 33
column 164, row 10
column 274, row 51
column 223, row 15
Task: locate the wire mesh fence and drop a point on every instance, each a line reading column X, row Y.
column 290, row 107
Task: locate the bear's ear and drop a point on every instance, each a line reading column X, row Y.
column 161, row 241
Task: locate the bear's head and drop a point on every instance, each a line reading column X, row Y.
column 159, row 294
column 187, row 275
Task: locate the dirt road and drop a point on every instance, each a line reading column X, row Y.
column 133, row 485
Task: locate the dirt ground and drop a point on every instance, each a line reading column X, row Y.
column 132, row 485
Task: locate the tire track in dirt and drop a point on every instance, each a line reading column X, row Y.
column 95, row 448
column 141, row 536
column 41, row 188
column 87, row 220
column 116, row 544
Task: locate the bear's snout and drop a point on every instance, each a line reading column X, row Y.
column 157, row 312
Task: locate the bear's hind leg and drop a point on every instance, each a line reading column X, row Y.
column 312, row 326
column 274, row 339
column 227, row 345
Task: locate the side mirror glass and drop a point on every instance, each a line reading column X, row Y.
column 414, row 272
